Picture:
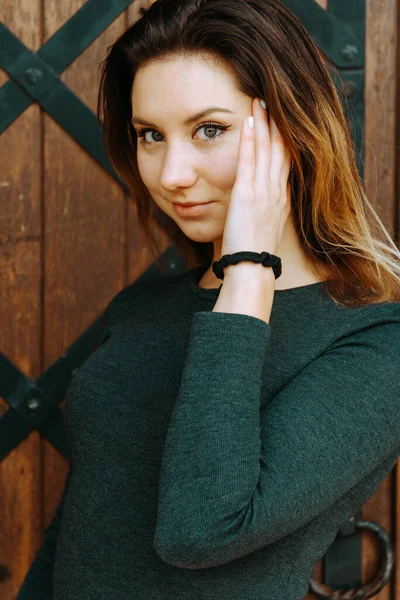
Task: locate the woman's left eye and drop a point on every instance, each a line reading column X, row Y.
column 223, row 128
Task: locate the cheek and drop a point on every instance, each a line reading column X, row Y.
column 146, row 171
column 221, row 169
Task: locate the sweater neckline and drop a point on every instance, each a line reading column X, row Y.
column 196, row 273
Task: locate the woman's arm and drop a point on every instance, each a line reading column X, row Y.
column 241, row 470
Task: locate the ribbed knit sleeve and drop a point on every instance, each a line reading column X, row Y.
column 240, row 471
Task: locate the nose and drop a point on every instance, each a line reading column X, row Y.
column 177, row 169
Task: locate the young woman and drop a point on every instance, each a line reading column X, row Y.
column 228, row 424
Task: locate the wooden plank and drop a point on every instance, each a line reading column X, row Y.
column 378, row 509
column 382, row 38
column 20, row 308
column 84, row 251
column 380, row 119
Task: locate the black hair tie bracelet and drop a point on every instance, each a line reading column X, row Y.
column 265, row 258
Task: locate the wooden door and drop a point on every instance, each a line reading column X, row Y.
column 69, row 241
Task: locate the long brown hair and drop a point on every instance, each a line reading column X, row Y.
column 274, row 58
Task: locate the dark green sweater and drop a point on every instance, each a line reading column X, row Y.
column 214, row 455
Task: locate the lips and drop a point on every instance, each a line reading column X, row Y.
column 190, row 204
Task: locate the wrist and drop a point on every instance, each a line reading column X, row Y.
column 249, row 289
column 249, row 274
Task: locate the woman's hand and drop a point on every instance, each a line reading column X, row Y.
column 260, row 200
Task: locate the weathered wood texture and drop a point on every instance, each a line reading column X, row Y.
column 67, row 227
column 382, row 110
column 21, row 308
column 381, row 186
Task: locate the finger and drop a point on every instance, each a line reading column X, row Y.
column 278, row 155
column 286, row 170
column 246, row 161
column 262, row 145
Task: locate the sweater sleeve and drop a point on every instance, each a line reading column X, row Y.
column 240, row 471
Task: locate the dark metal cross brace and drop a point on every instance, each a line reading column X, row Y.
column 35, row 75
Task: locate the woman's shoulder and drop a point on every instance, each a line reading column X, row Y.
column 374, row 325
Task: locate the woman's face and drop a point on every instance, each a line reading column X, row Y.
column 194, row 162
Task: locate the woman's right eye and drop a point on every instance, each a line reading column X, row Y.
column 209, row 125
column 142, row 134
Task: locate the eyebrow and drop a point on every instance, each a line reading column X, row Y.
column 190, row 120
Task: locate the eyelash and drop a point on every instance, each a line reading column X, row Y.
column 223, row 128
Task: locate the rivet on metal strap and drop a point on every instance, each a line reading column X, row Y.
column 349, row 52
column 33, row 75
column 33, row 404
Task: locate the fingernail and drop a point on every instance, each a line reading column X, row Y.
column 251, row 122
column 263, row 104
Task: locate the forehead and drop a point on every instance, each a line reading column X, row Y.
column 180, row 80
